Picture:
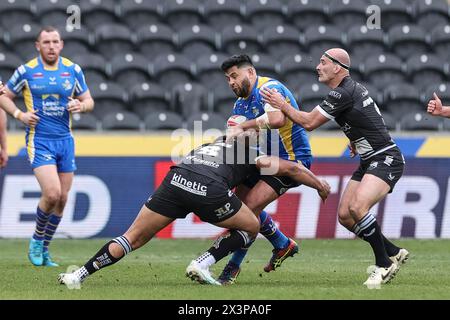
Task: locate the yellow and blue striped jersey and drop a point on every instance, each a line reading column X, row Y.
column 47, row 91
column 293, row 141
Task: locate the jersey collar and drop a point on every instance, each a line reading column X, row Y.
column 49, row 68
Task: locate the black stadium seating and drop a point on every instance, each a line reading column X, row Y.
column 156, row 64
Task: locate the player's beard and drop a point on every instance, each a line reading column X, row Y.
column 244, row 90
column 50, row 62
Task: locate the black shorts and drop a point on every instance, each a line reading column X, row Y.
column 280, row 184
column 388, row 166
column 184, row 191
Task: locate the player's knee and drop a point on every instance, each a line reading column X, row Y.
column 52, row 197
column 357, row 208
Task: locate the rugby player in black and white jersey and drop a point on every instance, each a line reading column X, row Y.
column 381, row 161
column 201, row 183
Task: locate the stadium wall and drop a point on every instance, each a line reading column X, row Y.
column 116, row 174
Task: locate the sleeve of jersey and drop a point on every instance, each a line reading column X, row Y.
column 337, row 101
column 17, row 80
column 80, row 82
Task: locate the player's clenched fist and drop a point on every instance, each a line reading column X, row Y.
column 2, row 89
column 75, row 106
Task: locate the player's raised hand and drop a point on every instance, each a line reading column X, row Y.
column 324, row 192
column 435, row 106
column 29, row 118
column 273, row 97
column 75, row 106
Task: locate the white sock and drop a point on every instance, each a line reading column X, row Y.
column 206, row 260
column 81, row 273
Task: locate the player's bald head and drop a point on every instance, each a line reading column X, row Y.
column 340, row 55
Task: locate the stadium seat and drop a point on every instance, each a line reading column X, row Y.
column 121, row 120
column 196, row 40
column 390, row 121
column 406, row 40
column 440, row 41
column 179, row 13
column 206, row 121
column 52, row 12
column 9, row 62
column 364, row 42
column 22, row 39
column 281, row 40
column 96, row 13
column 163, row 120
column 298, row 70
column 420, row 121
column 129, row 69
column 188, row 98
column 171, row 70
column 223, row 100
column 155, row 39
column 137, row 13
column 311, row 95
column 112, row 39
column 431, row 13
column 222, row 13
column 240, row 38
column 147, row 98
column 347, row 13
column 208, row 70
column 318, row 39
column 3, row 45
column 265, row 65
column 76, row 41
column 13, row 12
column 424, row 69
column 84, row 121
column 393, row 12
column 441, row 89
column 263, row 13
column 307, row 13
column 108, row 97
column 402, row 98
column 93, row 66
column 383, row 69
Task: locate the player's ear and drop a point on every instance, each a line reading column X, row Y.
column 62, row 44
column 37, row 46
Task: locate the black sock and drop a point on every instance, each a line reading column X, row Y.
column 391, row 249
column 228, row 243
column 103, row 258
column 369, row 230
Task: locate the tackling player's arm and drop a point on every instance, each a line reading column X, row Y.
column 308, row 120
column 296, row 171
column 436, row 108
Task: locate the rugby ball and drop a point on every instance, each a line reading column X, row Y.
column 235, row 120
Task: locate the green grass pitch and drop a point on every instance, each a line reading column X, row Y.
column 323, row 269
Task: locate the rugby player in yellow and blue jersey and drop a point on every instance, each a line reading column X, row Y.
column 292, row 144
column 53, row 87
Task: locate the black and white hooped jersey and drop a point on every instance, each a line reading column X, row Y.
column 351, row 106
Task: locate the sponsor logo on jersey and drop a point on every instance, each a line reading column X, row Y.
column 38, row 75
column 391, row 177
column 388, row 160
column 373, row 165
column 52, row 81
column 67, row 85
column 65, row 75
column 335, row 94
column 189, row 186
